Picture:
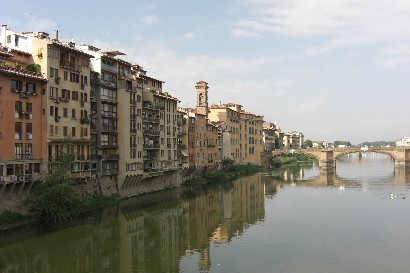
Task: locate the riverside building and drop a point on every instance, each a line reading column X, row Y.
column 22, row 118
column 65, row 103
column 134, row 123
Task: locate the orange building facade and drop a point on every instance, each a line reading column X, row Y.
column 22, row 118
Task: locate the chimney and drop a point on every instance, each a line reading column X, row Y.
column 4, row 35
column 56, row 34
column 72, row 44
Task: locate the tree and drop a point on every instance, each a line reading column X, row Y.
column 342, row 142
column 227, row 163
column 54, row 200
column 308, row 143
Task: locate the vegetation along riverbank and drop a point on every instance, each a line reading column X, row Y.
column 56, row 199
column 291, row 159
column 229, row 172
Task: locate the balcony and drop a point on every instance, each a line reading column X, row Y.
column 26, row 156
column 108, row 145
column 182, row 146
column 94, row 79
column 24, row 95
column 70, row 66
column 109, row 68
column 108, row 83
column 150, row 119
column 109, row 157
column 110, row 172
column 151, row 132
column 109, row 129
column 151, row 146
column 148, row 157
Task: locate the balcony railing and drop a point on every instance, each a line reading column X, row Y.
column 109, row 171
column 109, row 128
column 26, row 156
column 69, row 65
column 151, row 146
column 151, row 132
column 152, row 106
column 108, row 83
column 150, row 119
column 109, row 157
column 148, row 157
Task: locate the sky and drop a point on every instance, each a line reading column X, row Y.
column 331, row 69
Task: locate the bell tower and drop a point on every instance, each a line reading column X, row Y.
column 202, row 98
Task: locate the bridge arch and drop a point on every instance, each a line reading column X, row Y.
column 390, row 153
column 327, row 157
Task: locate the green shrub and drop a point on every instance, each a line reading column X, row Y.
column 35, row 68
column 54, row 202
column 9, row 217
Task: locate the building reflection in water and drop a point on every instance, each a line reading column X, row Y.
column 152, row 233
column 156, row 240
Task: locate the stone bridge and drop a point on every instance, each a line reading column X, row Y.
column 327, row 157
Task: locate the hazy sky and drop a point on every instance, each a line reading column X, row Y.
column 332, row 69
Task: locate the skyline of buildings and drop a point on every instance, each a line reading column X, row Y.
column 122, row 126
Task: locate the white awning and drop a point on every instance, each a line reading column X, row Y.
column 184, row 153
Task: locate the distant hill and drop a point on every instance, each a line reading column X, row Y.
column 377, row 143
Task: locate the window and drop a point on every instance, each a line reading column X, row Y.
column 73, row 113
column 51, row 130
column 65, row 75
column 18, row 105
column 65, row 94
column 51, row 72
column 84, row 132
column 53, row 53
column 74, row 95
column 74, row 77
column 18, row 150
column 65, row 112
column 29, row 131
column 73, row 131
column 84, row 97
column 28, row 150
column 29, row 107
column 51, row 110
column 65, row 130
column 18, row 131
column 16, row 85
column 51, row 92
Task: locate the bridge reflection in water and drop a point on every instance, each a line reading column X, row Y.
column 314, row 176
column 327, row 157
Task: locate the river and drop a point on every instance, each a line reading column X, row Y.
column 299, row 219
